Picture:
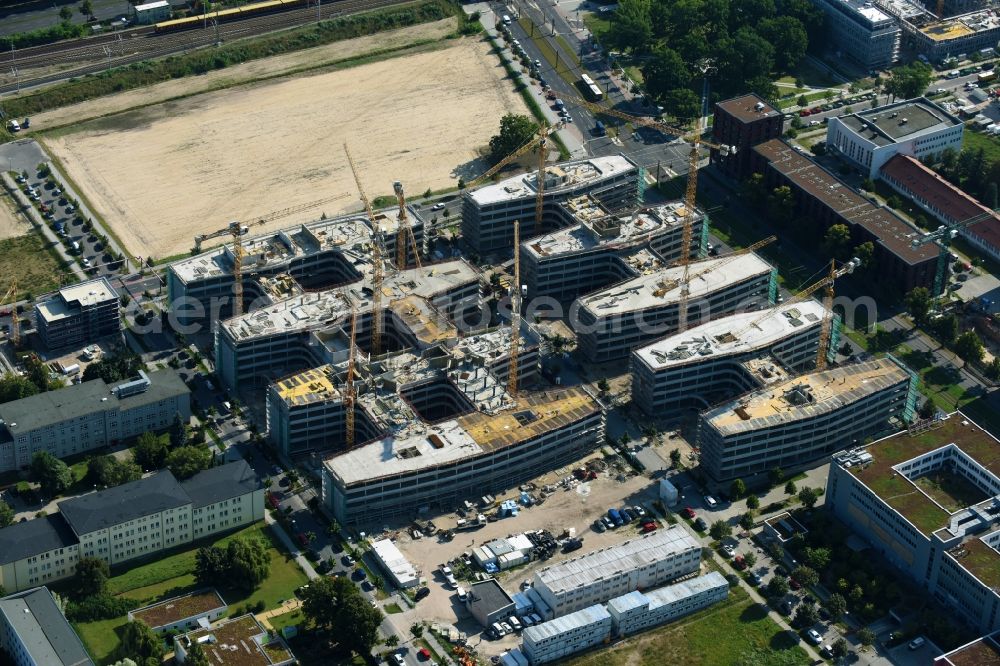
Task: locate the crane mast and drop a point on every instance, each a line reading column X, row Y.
column 405, row 232
column 15, row 321
column 349, row 395
column 376, row 260
column 515, row 313
column 825, row 329
column 540, row 189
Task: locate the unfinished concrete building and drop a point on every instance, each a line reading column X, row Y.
column 601, row 247
column 727, row 357
column 489, row 212
column 795, row 422
column 317, row 255
column 611, row 323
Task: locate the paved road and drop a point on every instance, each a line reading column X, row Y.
column 28, row 16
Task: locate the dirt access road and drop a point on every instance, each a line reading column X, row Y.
column 164, row 173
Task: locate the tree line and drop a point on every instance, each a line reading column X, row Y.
column 747, row 43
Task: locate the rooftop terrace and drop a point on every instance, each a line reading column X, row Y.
column 663, row 287
column 558, row 177
column 731, row 335
column 805, row 396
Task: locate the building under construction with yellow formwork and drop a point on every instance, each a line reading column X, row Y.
column 967, row 26
column 795, row 422
column 437, row 465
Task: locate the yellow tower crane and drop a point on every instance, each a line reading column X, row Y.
column 690, row 192
column 377, row 267
column 15, row 320
column 405, row 232
column 350, row 398
column 237, row 230
column 515, row 314
column 826, row 327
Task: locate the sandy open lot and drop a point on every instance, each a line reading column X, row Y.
column 162, row 174
column 12, row 223
column 578, row 508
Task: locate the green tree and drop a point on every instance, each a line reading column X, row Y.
column 15, row 387
column 248, row 563
column 866, row 636
column 991, row 196
column 359, row 624
column 321, row 601
column 737, row 489
column 178, row 432
column 92, row 576
column 776, row 476
column 817, row 558
column 789, row 39
column 138, row 640
column 122, row 363
column 515, row 131
column 66, row 14
column 196, row 656
column 947, row 328
column 918, row 304
column 781, row 205
column 806, row 576
column 665, row 71
column 53, row 474
column 753, row 502
column 675, row 457
column 837, row 240
column 6, row 514
column 186, row 461
column 107, row 472
column 806, row 615
column 865, row 252
column 150, row 451
column 802, row 101
column 836, row 606
column 682, row 103
column 840, row 648
column 750, row 558
column 746, row 520
column 417, row 629
column 720, row 529
column 808, row 497
column 969, row 347
column 908, row 81
column 777, row 587
column 631, row 26
column 87, row 8
column 790, row 488
column 210, row 565
column 993, row 369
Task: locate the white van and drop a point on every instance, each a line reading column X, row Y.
column 451, row 581
column 506, row 20
column 460, row 591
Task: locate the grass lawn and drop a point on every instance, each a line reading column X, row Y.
column 279, row 622
column 989, row 144
column 173, row 575
column 554, row 58
column 35, row 266
column 735, row 630
column 597, row 26
column 950, row 490
column 392, row 609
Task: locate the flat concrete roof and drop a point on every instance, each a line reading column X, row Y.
column 716, row 338
column 748, row 108
column 558, row 177
column 805, row 396
column 582, row 618
column 663, row 287
column 894, row 123
column 69, row 300
column 962, row 26
column 984, row 651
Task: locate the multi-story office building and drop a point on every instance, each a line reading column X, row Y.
column 946, row 202
column 916, row 127
column 439, row 463
column 926, row 500
column 34, row 632
column 602, row 247
column 969, row 27
column 78, row 315
column 822, row 200
column 727, row 357
column 612, row 322
column 795, row 422
column 489, row 212
column 128, row 522
column 643, row 562
column 566, row 635
column 742, row 123
column 313, row 256
column 637, row 610
column 88, row 416
column 862, row 32
column 420, row 306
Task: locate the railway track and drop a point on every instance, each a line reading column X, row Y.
column 129, row 46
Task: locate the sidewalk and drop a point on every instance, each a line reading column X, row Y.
column 278, row 530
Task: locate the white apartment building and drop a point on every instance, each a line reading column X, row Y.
column 128, row 522
column 862, row 32
column 566, row 635
column 612, row 322
column 640, row 563
column 489, row 212
column 88, row 416
column 795, row 422
column 636, row 611
column 34, row 632
column 598, row 247
column 916, row 127
column 727, row 357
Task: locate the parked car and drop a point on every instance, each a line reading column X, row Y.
column 627, row 515
column 649, row 527
column 423, row 654
column 711, row 502
column 813, row 636
column 599, row 526
column 398, row 659
column 689, row 513
column 639, row 511
column 421, row 593
column 794, row 584
column 347, row 560
column 917, row 643
column 700, row 524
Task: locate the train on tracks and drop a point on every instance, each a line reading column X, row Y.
column 234, row 14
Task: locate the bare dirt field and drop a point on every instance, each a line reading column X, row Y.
column 12, row 223
column 577, row 508
column 162, row 174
